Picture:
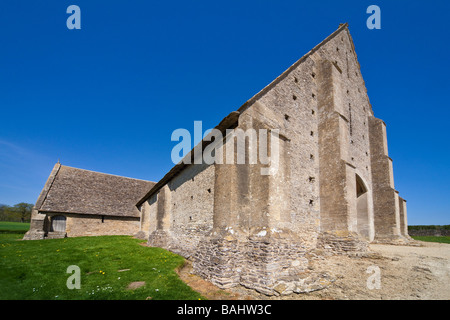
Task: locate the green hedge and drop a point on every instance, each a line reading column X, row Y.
column 430, row 227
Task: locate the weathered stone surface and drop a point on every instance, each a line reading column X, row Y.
column 259, row 224
column 332, row 192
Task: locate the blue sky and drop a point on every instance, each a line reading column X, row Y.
column 107, row 97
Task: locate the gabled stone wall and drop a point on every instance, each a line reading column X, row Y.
column 328, row 193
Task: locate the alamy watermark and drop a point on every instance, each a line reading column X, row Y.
column 236, row 147
column 74, row 20
column 74, row 281
column 374, row 280
column 374, row 21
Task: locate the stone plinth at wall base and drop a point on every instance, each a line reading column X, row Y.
column 218, row 261
column 342, row 242
column 141, row 235
column 34, row 235
column 159, row 238
column 396, row 240
column 165, row 239
column 56, row 235
column 36, row 231
column 264, row 262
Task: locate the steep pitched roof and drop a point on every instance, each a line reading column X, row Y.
column 72, row 190
column 233, row 117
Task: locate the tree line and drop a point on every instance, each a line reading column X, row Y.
column 20, row 212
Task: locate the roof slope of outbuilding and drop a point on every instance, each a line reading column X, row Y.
column 73, row 190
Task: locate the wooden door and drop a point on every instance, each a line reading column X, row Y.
column 59, row 224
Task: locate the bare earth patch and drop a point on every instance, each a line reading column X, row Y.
column 406, row 273
column 135, row 285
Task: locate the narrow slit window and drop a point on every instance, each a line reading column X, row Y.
column 350, row 118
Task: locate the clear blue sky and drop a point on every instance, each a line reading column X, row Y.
column 107, row 97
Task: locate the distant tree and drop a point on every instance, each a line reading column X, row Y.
column 3, row 212
column 20, row 212
column 23, row 210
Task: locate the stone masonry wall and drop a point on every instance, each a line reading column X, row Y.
column 91, row 225
column 240, row 227
column 188, row 210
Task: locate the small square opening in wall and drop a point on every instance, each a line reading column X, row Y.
column 209, row 190
column 312, row 133
column 313, row 96
column 294, row 97
column 286, row 117
column 311, row 157
column 313, row 75
column 311, row 202
column 311, row 179
column 295, row 80
column 313, row 112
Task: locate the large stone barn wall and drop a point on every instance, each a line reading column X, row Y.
column 333, row 188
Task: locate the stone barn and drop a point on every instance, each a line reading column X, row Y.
column 333, row 190
column 76, row 202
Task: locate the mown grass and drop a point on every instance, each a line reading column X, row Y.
column 432, row 239
column 13, row 227
column 38, row 269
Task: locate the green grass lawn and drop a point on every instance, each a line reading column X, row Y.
column 13, row 227
column 432, row 239
column 38, row 269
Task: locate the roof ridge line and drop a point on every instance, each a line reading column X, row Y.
column 57, row 167
column 179, row 166
column 108, row 174
column 250, row 101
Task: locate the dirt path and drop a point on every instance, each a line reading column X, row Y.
column 404, row 272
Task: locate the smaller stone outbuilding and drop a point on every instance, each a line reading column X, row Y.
column 76, row 202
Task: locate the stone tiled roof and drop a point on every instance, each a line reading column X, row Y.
column 72, row 190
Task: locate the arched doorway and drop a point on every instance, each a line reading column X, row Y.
column 58, row 224
column 362, row 208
